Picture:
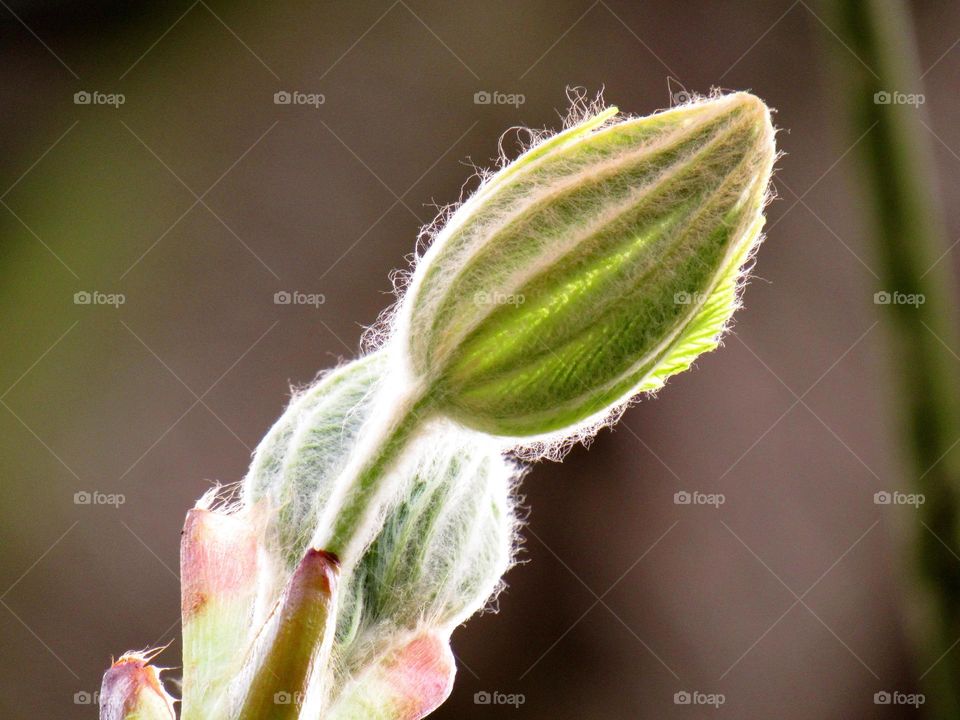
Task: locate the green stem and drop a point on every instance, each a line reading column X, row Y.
column 910, row 243
column 364, row 498
column 301, row 639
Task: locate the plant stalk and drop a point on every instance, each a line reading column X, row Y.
column 301, row 638
column 910, row 245
column 363, row 493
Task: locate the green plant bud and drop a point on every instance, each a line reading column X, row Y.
column 132, row 690
column 592, row 268
column 377, row 513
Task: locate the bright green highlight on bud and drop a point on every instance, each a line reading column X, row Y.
column 378, row 514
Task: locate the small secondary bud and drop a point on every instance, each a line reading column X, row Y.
column 132, row 690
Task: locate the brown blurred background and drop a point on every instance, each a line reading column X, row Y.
column 199, row 198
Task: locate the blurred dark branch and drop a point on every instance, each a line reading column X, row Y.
column 879, row 63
